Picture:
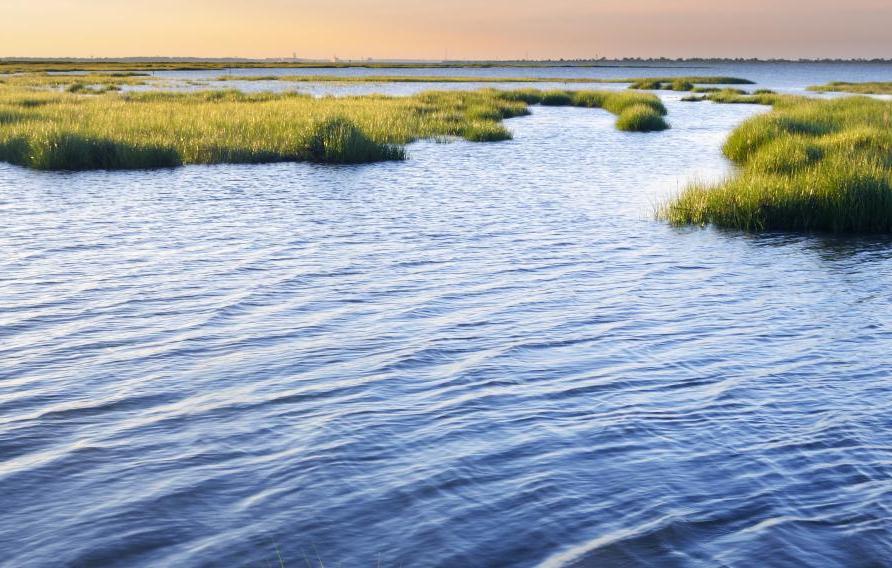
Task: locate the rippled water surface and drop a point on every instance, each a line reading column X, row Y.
column 490, row 354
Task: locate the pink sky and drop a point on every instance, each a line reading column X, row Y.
column 468, row 29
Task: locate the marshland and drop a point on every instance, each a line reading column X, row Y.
column 864, row 88
column 444, row 315
column 807, row 165
column 73, row 130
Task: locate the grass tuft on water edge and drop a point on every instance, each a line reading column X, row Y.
column 337, row 140
column 808, row 165
column 872, row 88
column 641, row 118
column 556, row 98
column 737, row 96
column 684, row 83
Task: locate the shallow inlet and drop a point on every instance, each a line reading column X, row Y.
column 488, row 354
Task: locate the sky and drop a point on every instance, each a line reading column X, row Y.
column 456, row 29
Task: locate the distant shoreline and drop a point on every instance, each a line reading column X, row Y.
column 202, row 62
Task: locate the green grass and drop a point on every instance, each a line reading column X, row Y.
column 8, row 116
column 807, row 165
column 881, row 88
column 51, row 80
column 737, row 96
column 59, row 130
column 97, row 81
column 337, row 140
column 91, row 83
column 683, row 83
column 556, row 98
column 641, row 118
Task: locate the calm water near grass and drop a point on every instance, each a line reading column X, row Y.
column 783, row 77
column 487, row 355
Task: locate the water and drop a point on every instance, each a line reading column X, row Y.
column 490, row 354
column 783, row 77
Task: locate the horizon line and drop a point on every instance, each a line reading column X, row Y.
column 235, row 58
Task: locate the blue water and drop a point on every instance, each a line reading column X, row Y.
column 488, row 355
column 782, row 77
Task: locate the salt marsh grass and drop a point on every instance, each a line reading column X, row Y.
column 57, row 130
column 877, row 88
column 807, row 165
column 85, row 81
column 683, row 83
column 738, row 96
column 641, row 118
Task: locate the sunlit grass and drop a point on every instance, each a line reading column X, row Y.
column 90, row 82
column 55, row 130
column 877, row 88
column 737, row 96
column 806, row 165
column 641, row 118
column 684, row 83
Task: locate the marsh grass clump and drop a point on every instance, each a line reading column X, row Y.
column 871, row 88
column 785, row 155
column 589, row 99
column 738, row 96
column 641, row 118
column 9, row 115
column 729, row 96
column 85, row 89
column 75, row 83
column 58, row 130
column 59, row 150
column 807, row 165
column 337, row 140
column 556, row 98
column 648, row 85
column 483, row 131
column 484, row 112
column 614, row 102
column 683, row 83
column 525, row 96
